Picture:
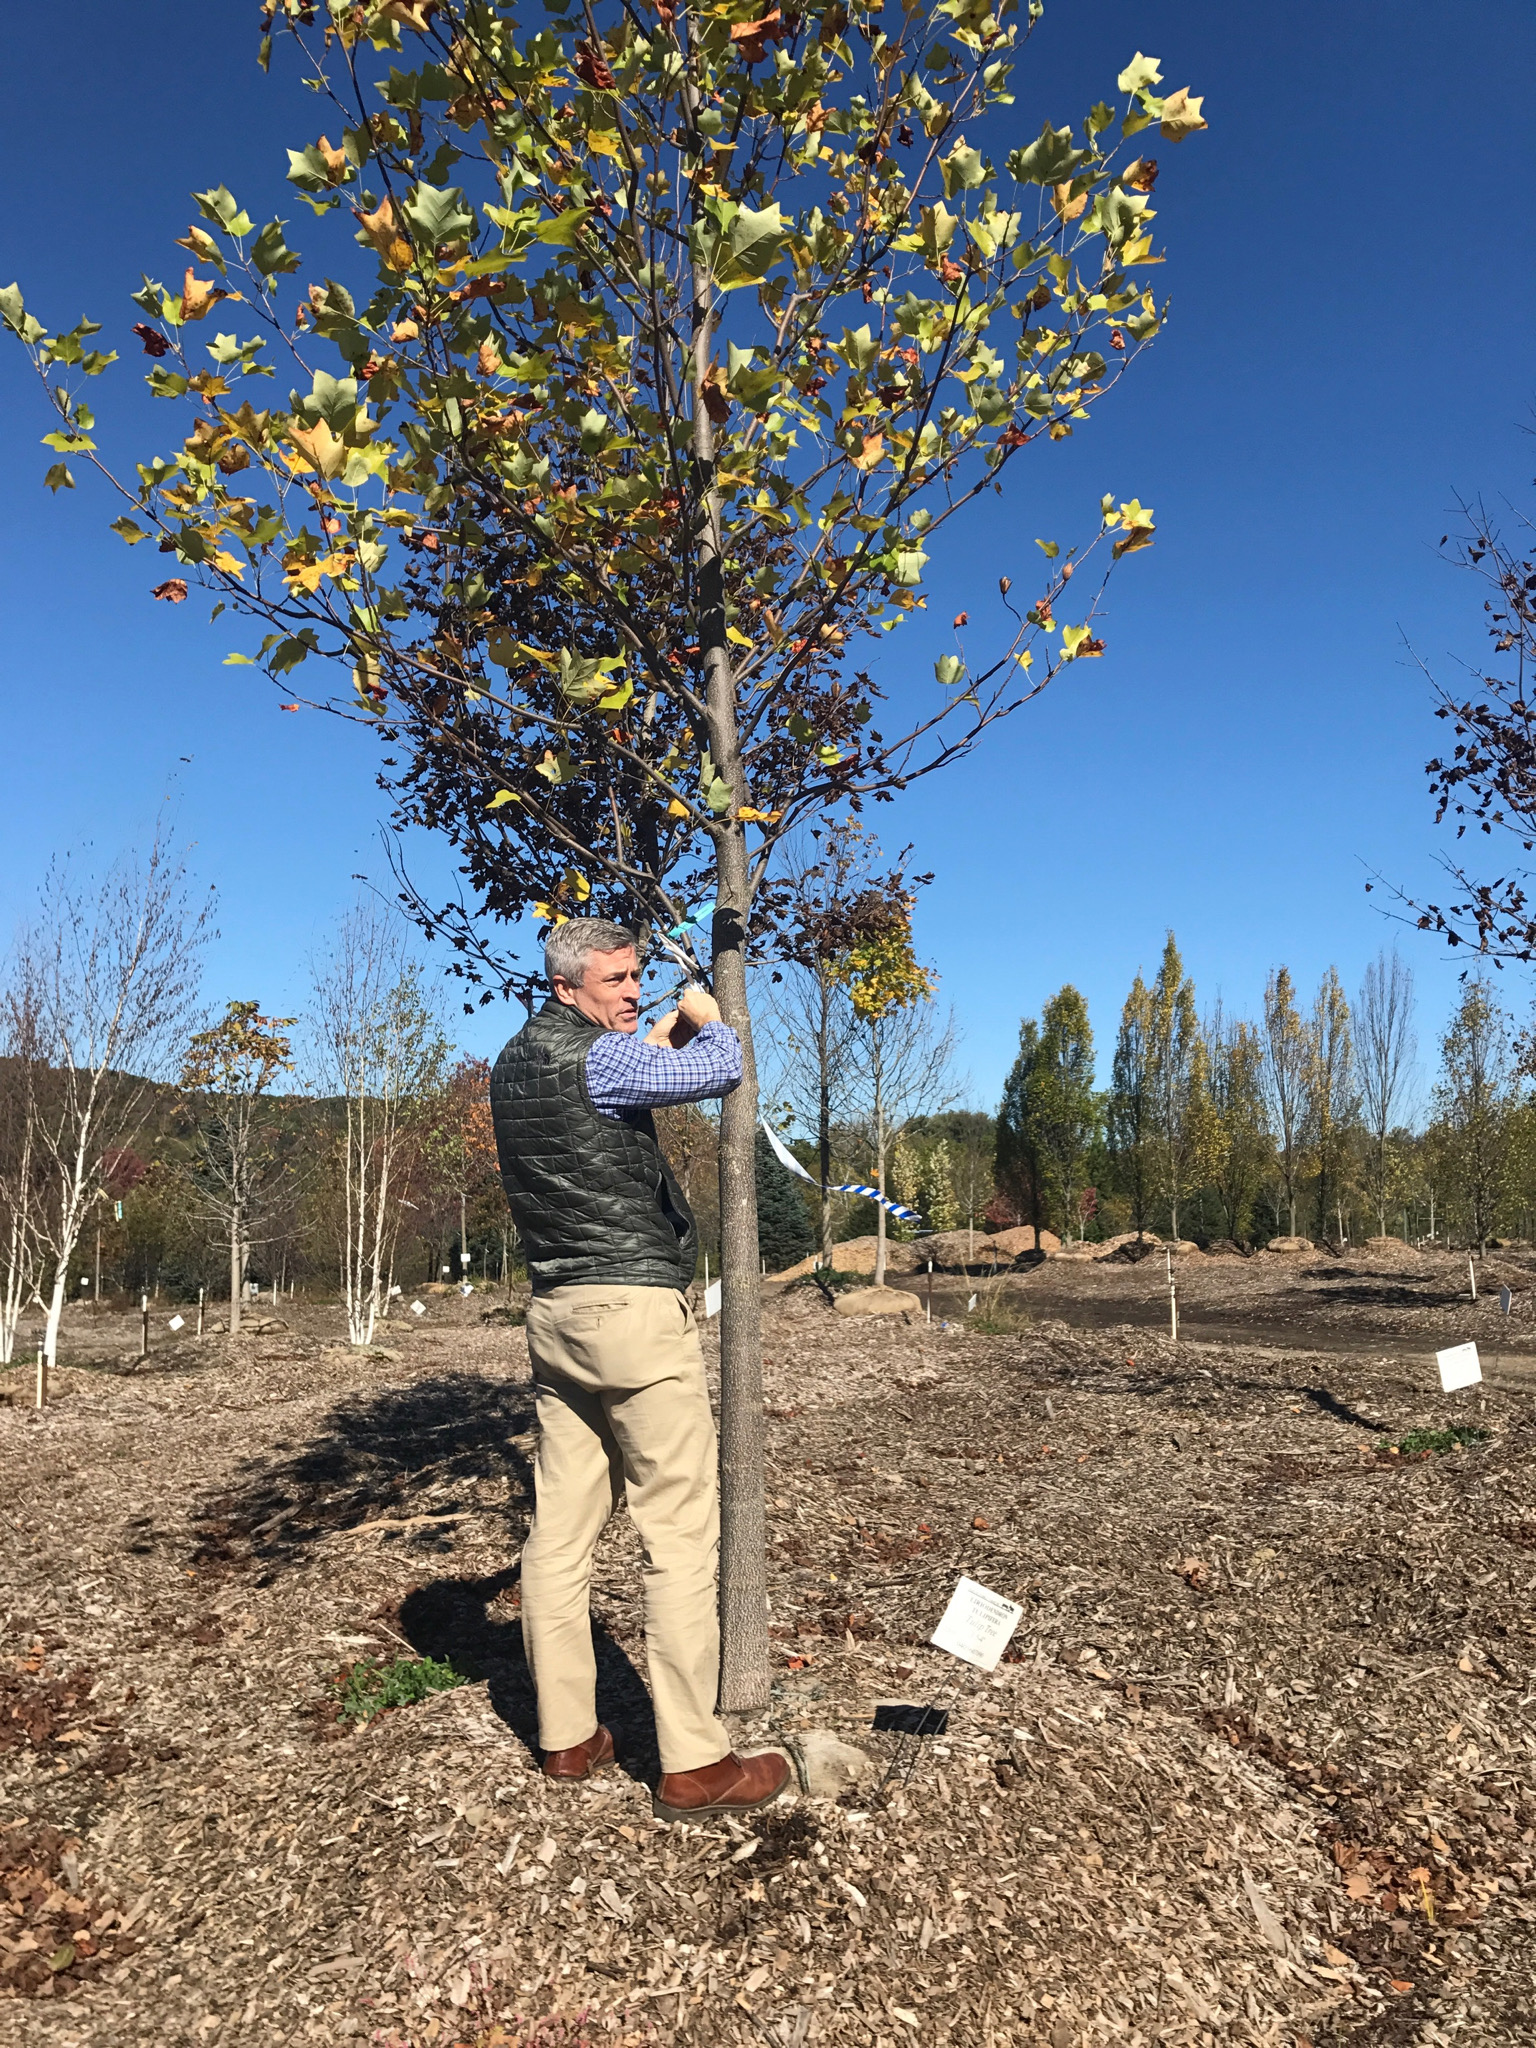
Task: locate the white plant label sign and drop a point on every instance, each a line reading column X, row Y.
column 177, row 1323
column 418, row 1308
column 1459, row 1367
column 712, row 1299
column 978, row 1625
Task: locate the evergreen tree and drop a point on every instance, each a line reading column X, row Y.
column 1243, row 1148
column 1018, row 1159
column 1063, row 1109
column 784, row 1232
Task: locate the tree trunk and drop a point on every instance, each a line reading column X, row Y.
column 744, row 1675
column 824, row 1115
column 236, row 1275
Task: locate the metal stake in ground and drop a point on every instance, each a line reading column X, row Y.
column 144, row 1329
column 976, row 1627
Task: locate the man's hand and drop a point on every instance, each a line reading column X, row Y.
column 696, row 1006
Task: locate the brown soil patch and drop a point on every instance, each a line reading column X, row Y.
column 1258, row 1768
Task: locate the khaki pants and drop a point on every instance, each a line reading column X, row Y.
column 623, row 1409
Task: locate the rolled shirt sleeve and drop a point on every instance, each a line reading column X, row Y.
column 623, row 1072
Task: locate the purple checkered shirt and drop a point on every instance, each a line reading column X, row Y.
column 623, row 1072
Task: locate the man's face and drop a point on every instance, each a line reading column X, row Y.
column 609, row 992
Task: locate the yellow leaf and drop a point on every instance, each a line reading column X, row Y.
column 305, row 575
column 199, row 295
column 677, row 810
column 750, row 815
column 1181, row 116
column 225, row 560
column 1067, row 208
column 740, row 639
column 386, row 239
column 871, row 452
column 325, row 450
column 503, row 796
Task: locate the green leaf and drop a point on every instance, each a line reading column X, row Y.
column 1049, row 548
column 69, row 444
column 127, row 530
column 289, row 653
column 166, row 383
column 750, row 247
column 62, row 1956
column 596, row 431
column 716, row 794
column 1049, row 159
column 220, row 206
column 949, row 669
column 439, row 214
column 754, row 387
column 562, row 231
column 59, row 478
column 270, row 253
column 311, row 172
column 963, row 169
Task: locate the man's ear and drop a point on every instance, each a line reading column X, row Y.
column 564, row 993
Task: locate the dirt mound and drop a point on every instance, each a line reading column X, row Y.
column 1290, row 1245
column 1021, row 1238
column 857, row 1255
column 1224, row 1248
column 958, row 1250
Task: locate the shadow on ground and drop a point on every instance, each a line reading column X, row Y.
column 454, row 1619
column 421, row 1450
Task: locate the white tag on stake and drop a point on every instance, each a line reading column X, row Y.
column 1459, row 1367
column 977, row 1625
column 418, row 1308
column 177, row 1323
column 712, row 1299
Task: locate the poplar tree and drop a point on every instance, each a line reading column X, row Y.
column 678, row 337
column 1177, row 1085
column 1128, row 1114
column 1473, row 1100
column 1332, row 1100
column 1287, row 1058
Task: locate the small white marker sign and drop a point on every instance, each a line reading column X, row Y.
column 977, row 1625
column 712, row 1298
column 418, row 1308
column 177, row 1323
column 1459, row 1367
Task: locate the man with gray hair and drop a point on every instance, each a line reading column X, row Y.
column 617, row 1372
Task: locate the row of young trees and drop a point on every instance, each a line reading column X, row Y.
column 1303, row 1119
column 131, row 1124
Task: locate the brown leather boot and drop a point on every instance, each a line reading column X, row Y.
column 737, row 1784
column 583, row 1760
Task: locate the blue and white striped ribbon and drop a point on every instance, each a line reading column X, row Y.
column 787, row 1159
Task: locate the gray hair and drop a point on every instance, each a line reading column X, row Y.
column 567, row 947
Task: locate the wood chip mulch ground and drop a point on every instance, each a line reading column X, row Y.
column 1259, row 1769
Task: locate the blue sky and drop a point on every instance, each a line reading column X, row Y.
column 1350, row 350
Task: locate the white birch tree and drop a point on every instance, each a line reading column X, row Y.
column 114, row 968
column 381, row 1057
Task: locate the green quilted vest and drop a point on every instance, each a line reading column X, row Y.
column 592, row 1195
